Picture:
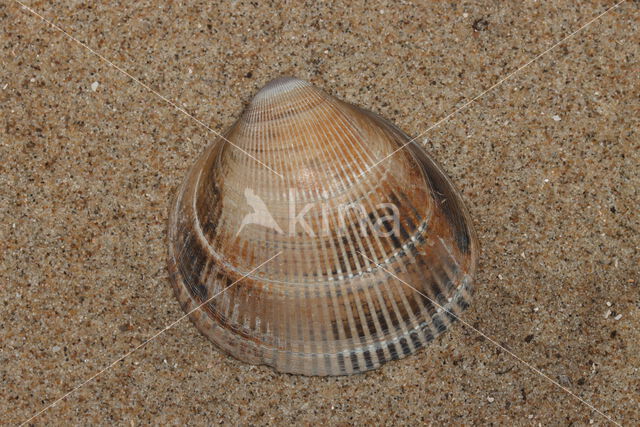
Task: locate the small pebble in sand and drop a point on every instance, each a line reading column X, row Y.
column 490, row 399
column 55, row 348
column 608, row 303
column 94, row 86
column 618, row 317
column 556, row 118
column 607, row 314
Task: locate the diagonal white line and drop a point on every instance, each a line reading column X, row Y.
column 147, row 87
column 494, row 342
column 121, row 358
column 474, row 99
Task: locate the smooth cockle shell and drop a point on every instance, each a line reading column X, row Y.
column 367, row 262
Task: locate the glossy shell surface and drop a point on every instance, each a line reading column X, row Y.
column 367, row 264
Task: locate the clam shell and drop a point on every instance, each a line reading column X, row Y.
column 336, row 300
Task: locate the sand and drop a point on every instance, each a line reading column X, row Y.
column 547, row 162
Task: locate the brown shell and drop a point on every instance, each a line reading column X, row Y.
column 338, row 299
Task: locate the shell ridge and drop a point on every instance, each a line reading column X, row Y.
column 365, row 291
column 337, row 330
column 341, row 110
column 307, row 135
column 332, row 124
column 295, row 338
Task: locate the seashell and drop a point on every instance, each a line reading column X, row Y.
column 346, row 242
